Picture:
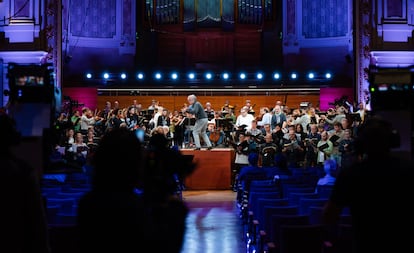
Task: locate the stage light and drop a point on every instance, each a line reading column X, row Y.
column 191, row 76
column 174, row 76
column 140, row 76
column 259, row 76
column 106, row 75
column 242, row 76
column 276, row 76
column 226, row 76
column 209, row 76
column 294, row 76
column 88, row 75
column 158, row 75
column 123, row 76
column 311, row 75
column 328, row 75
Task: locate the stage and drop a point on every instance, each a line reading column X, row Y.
column 213, row 169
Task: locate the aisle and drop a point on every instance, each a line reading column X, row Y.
column 213, row 224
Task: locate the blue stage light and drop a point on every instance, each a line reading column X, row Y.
column 174, row 76
column 158, row 75
column 140, row 76
column 191, row 76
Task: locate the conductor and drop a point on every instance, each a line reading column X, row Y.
column 201, row 123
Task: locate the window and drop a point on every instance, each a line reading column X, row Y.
column 21, row 10
column 395, row 10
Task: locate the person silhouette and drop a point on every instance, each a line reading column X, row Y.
column 375, row 189
column 22, row 215
column 121, row 213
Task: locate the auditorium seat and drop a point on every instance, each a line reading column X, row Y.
column 302, row 238
column 295, row 197
column 272, row 236
column 63, row 238
column 306, row 203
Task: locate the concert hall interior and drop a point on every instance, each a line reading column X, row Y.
column 272, row 77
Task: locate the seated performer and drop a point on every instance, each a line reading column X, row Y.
column 216, row 135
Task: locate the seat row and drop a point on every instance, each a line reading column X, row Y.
column 271, row 210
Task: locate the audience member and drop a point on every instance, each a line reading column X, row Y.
column 330, row 167
column 118, row 215
column 375, row 189
column 22, row 215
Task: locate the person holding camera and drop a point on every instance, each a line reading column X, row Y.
column 375, row 189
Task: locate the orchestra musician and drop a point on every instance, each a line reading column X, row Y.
column 227, row 107
column 268, row 151
column 209, row 111
column 265, row 117
column 293, row 149
column 250, row 107
column 215, row 134
column 187, row 124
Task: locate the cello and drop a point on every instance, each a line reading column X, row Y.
column 214, row 133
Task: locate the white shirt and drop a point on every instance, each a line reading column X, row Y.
column 266, row 119
column 244, row 120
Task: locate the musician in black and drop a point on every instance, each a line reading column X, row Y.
column 268, row 151
column 293, row 149
column 310, row 143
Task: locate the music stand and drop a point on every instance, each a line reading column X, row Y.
column 225, row 124
column 189, row 125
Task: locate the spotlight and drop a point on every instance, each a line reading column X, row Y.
column 242, row 76
column 123, row 76
column 158, row 75
column 88, row 75
column 174, row 76
column 259, row 76
column 294, row 76
column 226, row 76
column 276, row 76
column 209, row 76
column 311, row 75
column 191, row 75
column 140, row 76
column 328, row 75
column 106, row 75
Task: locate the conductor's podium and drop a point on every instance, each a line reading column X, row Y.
column 213, row 169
